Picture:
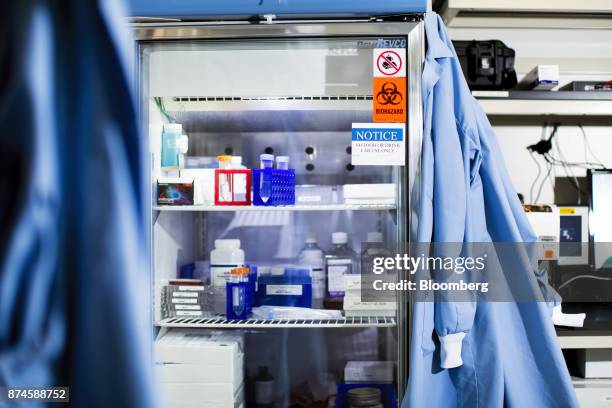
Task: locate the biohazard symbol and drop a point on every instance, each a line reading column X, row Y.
column 389, row 95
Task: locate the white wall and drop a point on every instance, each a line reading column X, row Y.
column 581, row 55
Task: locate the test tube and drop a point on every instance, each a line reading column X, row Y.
column 265, row 183
column 225, row 188
column 282, row 162
column 266, row 161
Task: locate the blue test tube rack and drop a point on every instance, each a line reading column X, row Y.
column 282, row 187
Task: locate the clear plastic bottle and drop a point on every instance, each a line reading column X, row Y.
column 341, row 260
column 226, row 256
column 170, row 150
column 312, row 256
column 282, row 162
column 265, row 182
column 373, row 248
column 225, row 186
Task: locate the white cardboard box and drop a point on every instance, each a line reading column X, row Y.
column 369, row 371
column 201, row 395
column 205, row 374
column 184, row 346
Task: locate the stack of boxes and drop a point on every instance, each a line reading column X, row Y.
column 366, row 302
column 201, row 369
column 186, row 298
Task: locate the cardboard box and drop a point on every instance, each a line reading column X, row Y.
column 542, row 77
column 174, row 191
column 184, row 346
column 201, row 395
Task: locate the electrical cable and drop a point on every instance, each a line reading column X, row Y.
column 536, row 177
column 550, row 166
column 582, row 277
column 568, row 172
column 588, row 147
column 160, row 105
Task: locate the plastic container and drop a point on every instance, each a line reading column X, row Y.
column 170, row 146
column 238, row 303
column 266, row 161
column 282, row 162
column 292, row 288
column 237, row 162
column 226, row 256
column 373, row 248
column 312, row 256
column 340, row 261
column 264, row 389
column 388, row 396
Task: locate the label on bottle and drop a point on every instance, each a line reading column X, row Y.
column 286, row 290
column 220, row 274
column 318, row 283
column 336, row 269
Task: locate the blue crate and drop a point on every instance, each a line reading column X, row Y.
column 282, row 187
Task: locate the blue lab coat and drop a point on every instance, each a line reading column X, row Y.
column 74, row 305
column 504, row 354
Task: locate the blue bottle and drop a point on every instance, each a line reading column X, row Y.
column 170, row 146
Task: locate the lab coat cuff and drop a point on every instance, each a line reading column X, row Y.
column 567, row 319
column 450, row 352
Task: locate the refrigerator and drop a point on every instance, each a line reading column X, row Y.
column 296, row 88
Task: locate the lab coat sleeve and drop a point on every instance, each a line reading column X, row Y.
column 451, row 176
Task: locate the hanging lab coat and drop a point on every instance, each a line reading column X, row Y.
column 73, row 259
column 474, row 354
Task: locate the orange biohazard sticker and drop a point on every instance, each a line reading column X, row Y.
column 389, row 100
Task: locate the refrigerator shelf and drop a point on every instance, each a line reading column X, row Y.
column 285, row 103
column 221, row 322
column 321, row 207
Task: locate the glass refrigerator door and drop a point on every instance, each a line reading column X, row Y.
column 291, row 91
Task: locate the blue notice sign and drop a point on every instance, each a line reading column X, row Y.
column 378, row 144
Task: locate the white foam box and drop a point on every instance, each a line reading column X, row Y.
column 201, row 396
column 595, row 363
column 369, row 371
column 206, row 374
column 184, row 346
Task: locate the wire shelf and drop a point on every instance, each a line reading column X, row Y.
column 222, row 323
column 297, row 207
